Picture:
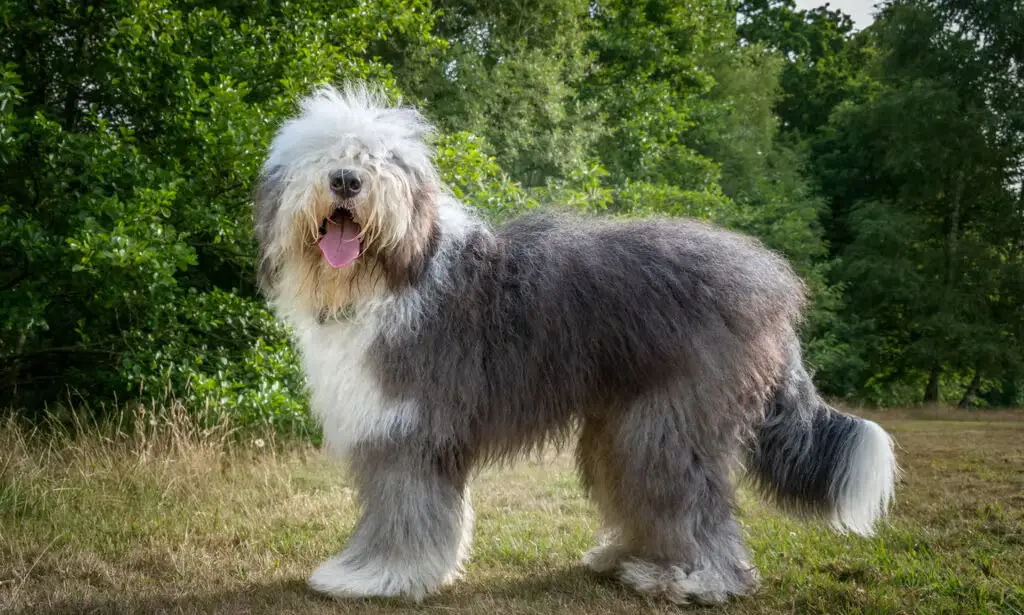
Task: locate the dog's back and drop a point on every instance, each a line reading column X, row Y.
column 554, row 315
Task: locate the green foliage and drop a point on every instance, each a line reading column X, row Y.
column 648, row 80
column 219, row 353
column 509, row 74
column 924, row 177
column 476, row 179
column 914, row 132
column 125, row 232
column 826, row 61
column 886, row 164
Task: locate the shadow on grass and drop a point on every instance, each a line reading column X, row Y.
column 570, row 590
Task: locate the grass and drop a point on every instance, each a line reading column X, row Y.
column 169, row 518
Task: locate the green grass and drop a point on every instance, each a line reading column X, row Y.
column 172, row 519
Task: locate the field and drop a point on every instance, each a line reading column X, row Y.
column 172, row 519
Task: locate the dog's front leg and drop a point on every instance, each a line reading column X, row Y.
column 416, row 526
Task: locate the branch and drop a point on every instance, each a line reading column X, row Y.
column 14, row 281
column 61, row 350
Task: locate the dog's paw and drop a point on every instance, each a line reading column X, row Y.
column 604, row 559
column 340, row 577
column 673, row 583
column 347, row 577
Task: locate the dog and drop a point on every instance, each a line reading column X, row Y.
column 433, row 343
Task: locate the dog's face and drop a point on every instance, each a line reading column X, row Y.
column 346, row 207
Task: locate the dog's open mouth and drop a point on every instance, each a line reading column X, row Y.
column 339, row 238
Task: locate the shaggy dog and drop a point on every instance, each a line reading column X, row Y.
column 433, row 343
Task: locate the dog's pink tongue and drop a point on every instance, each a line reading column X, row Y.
column 340, row 246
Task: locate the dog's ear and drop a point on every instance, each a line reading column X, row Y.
column 424, row 199
column 407, row 262
column 266, row 204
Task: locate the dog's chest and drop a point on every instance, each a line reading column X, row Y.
column 345, row 394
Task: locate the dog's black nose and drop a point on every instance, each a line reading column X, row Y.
column 346, row 183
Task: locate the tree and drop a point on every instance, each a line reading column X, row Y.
column 764, row 177
column 509, row 73
column 824, row 59
column 886, row 164
column 648, row 80
column 926, row 173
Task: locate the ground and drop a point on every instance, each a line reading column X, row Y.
column 182, row 521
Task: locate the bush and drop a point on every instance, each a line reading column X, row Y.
column 126, row 251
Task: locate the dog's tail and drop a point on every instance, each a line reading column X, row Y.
column 813, row 460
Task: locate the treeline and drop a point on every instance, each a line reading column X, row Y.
column 887, row 164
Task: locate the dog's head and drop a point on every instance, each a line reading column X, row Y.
column 346, row 206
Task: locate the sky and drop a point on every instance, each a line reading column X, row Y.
column 859, row 10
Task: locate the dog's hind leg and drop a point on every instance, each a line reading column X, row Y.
column 596, row 459
column 661, row 479
column 415, row 531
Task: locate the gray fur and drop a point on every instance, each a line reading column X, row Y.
column 664, row 338
column 413, row 536
column 553, row 317
column 803, row 453
column 268, row 202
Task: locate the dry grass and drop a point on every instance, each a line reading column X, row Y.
column 171, row 518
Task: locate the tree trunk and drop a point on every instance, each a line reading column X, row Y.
column 15, row 369
column 931, row 390
column 953, row 238
column 972, row 390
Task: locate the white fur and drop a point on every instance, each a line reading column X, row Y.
column 455, row 221
column 612, row 557
column 338, row 314
column 605, row 557
column 339, row 578
column 354, row 128
column 703, row 586
column 333, row 124
column 342, row 577
column 466, row 540
column 344, row 394
column 351, row 128
column 869, row 488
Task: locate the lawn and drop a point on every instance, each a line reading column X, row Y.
column 173, row 519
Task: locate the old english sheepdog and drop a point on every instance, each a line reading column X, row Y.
column 434, row 342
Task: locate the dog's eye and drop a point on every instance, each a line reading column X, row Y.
column 398, row 161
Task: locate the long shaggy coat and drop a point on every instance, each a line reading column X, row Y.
column 434, row 342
